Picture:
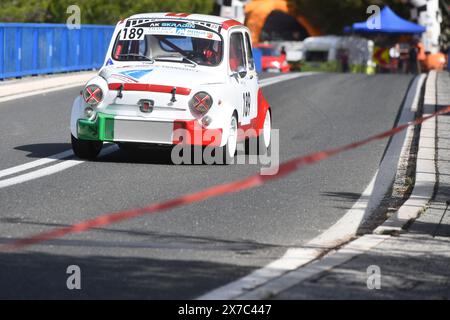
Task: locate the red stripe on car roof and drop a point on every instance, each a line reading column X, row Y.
column 181, row 15
column 149, row 87
column 230, row 23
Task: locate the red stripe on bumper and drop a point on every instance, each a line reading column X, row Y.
column 148, row 87
column 192, row 133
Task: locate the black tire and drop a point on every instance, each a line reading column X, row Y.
column 127, row 147
column 228, row 154
column 85, row 149
column 261, row 145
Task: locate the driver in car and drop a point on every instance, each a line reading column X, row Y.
column 207, row 52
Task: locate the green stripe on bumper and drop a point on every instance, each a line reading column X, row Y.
column 101, row 129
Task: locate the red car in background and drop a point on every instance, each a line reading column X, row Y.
column 273, row 60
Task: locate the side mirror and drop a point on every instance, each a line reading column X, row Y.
column 242, row 72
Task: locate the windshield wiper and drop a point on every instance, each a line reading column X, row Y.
column 161, row 57
column 137, row 56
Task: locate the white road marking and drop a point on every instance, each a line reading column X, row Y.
column 39, row 173
column 415, row 104
column 295, row 258
column 43, row 91
column 66, row 164
column 343, row 231
column 12, row 90
column 34, row 164
column 270, row 81
column 328, row 262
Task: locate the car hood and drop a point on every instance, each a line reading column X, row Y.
column 176, row 76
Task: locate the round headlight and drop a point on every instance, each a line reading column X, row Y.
column 201, row 103
column 93, row 95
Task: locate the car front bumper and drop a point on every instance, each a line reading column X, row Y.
column 110, row 128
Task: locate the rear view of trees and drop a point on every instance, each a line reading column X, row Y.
column 331, row 16
column 93, row 11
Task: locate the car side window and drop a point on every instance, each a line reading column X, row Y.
column 250, row 60
column 237, row 52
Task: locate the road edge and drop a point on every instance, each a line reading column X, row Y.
column 266, row 282
column 417, row 202
column 17, row 89
column 425, row 176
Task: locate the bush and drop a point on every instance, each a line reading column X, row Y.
column 93, row 11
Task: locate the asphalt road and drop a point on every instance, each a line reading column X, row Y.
column 186, row 252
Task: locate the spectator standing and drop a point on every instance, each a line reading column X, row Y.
column 394, row 54
column 414, row 66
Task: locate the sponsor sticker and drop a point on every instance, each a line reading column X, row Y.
column 136, row 74
column 137, row 30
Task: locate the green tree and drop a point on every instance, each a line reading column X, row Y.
column 23, row 10
column 94, row 11
column 331, row 16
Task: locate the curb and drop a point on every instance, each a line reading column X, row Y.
column 33, row 86
column 336, row 245
column 425, row 179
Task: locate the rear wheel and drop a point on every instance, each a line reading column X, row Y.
column 261, row 144
column 85, row 149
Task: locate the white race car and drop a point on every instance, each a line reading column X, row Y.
column 166, row 73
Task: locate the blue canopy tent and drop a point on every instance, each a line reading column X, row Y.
column 390, row 23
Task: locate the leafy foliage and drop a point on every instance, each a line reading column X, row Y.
column 93, row 11
column 331, row 16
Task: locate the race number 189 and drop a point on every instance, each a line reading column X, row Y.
column 132, row 34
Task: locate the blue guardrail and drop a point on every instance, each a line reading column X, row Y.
column 33, row 49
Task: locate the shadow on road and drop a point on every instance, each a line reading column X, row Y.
column 43, row 276
column 44, row 150
column 407, row 272
column 143, row 155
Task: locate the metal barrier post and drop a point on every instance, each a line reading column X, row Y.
column 35, row 54
column 49, row 38
column 18, row 51
column 64, row 49
column 2, row 52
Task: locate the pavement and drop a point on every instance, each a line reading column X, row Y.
column 19, row 88
column 411, row 264
column 186, row 252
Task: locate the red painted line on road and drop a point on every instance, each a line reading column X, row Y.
column 218, row 190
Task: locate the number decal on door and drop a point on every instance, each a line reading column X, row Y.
column 247, row 103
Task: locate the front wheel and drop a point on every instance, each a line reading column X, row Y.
column 85, row 149
column 265, row 138
column 229, row 150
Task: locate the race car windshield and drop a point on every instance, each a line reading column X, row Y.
column 170, row 48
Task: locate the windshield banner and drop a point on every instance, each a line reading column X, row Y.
column 138, row 29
